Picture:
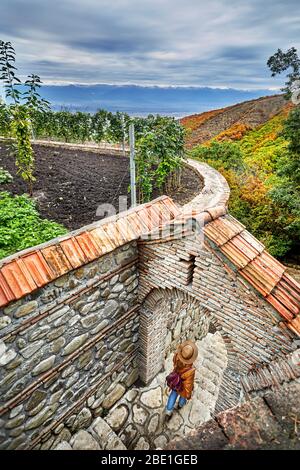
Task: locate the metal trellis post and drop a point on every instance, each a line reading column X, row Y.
column 132, row 166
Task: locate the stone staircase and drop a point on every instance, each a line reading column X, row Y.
column 136, row 421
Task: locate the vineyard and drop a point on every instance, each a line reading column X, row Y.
column 66, row 187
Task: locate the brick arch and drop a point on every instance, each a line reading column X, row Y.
column 168, row 316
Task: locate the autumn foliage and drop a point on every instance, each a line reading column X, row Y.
column 250, row 160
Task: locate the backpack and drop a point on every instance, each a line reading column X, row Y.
column 174, row 381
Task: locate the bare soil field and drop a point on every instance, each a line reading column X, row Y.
column 71, row 184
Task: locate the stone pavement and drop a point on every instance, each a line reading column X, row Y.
column 136, row 420
column 268, row 422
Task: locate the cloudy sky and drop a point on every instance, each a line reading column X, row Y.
column 166, row 42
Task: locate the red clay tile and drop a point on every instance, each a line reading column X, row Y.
column 57, row 260
column 125, row 230
column 73, row 252
column 289, row 289
column 284, row 312
column 264, row 279
column 114, row 235
column 222, row 230
column 294, row 325
column 217, row 211
column 142, row 220
column 88, row 246
column 292, row 304
column 167, row 216
column 153, row 216
column 171, row 206
column 237, row 257
column 145, row 219
column 102, row 239
column 253, row 242
column 6, row 294
column 292, row 282
column 271, row 263
column 260, row 287
column 135, row 223
column 18, row 278
column 38, row 268
column 244, row 246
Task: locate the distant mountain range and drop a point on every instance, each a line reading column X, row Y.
column 142, row 100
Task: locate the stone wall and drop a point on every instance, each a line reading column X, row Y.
column 251, row 328
column 167, row 317
column 68, row 351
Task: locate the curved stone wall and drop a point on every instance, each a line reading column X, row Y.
column 214, row 194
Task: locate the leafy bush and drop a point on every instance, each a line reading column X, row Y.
column 263, row 172
column 19, row 111
column 5, row 176
column 217, row 154
column 21, row 225
column 159, row 155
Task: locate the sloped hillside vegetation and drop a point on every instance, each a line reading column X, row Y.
column 262, row 168
column 248, row 115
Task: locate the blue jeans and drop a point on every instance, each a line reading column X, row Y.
column 172, row 400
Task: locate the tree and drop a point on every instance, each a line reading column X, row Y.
column 282, row 61
column 286, row 193
column 159, row 154
column 21, row 109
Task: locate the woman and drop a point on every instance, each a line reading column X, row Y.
column 181, row 380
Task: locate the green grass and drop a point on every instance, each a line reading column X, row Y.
column 21, row 225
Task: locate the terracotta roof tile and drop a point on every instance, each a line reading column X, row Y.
column 221, row 230
column 125, row 229
column 18, row 278
column 284, row 312
column 136, row 224
column 145, row 219
column 114, row 235
column 57, row 260
column 252, row 241
column 171, row 206
column 166, row 214
column 6, row 294
column 102, row 240
column 295, row 325
column 39, row 270
column 267, row 275
column 88, row 246
column 286, row 299
column 150, row 218
column 73, row 252
column 35, row 268
column 264, row 274
column 238, row 251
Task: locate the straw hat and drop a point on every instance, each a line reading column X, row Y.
column 187, row 352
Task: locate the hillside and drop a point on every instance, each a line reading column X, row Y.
column 242, row 117
column 245, row 143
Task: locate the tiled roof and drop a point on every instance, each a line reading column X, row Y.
column 250, row 259
column 30, row 269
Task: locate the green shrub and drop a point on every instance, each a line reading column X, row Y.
column 262, row 170
column 21, row 225
column 5, row 176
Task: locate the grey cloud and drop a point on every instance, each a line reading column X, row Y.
column 151, row 41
